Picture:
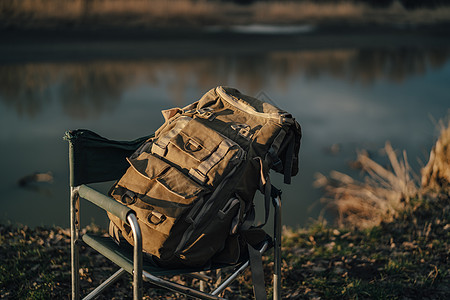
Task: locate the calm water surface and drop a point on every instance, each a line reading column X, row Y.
column 350, row 98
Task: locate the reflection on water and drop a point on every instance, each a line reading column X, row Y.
column 89, row 89
column 356, row 98
column 83, row 90
column 364, row 66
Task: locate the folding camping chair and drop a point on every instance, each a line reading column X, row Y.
column 94, row 159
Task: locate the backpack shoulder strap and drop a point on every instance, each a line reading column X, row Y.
column 256, row 266
column 253, row 237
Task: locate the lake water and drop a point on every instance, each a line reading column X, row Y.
column 353, row 97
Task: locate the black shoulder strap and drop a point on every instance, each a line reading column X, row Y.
column 289, row 159
column 256, row 266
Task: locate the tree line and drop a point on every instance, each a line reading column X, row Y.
column 408, row 4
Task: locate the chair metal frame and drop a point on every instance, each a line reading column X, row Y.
column 140, row 275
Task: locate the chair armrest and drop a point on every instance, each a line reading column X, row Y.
column 104, row 202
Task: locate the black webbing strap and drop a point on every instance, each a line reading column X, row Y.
column 289, row 159
column 259, row 289
column 267, row 193
column 270, row 192
column 264, row 187
column 255, row 256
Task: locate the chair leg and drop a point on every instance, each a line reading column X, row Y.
column 176, row 287
column 236, row 273
column 74, row 242
column 277, row 249
column 137, row 257
column 230, row 279
column 105, row 284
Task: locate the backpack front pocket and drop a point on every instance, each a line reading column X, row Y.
column 203, row 153
column 161, row 192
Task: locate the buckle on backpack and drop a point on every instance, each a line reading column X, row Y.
column 285, row 117
column 128, row 198
column 157, row 149
column 197, row 176
column 156, row 218
column 243, row 130
column 192, row 145
column 206, row 113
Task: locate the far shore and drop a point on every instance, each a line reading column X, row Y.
column 196, row 14
column 84, row 43
column 52, row 30
column 140, row 18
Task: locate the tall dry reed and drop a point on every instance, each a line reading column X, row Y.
column 436, row 174
column 386, row 191
column 382, row 194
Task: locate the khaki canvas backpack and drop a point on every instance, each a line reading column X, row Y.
column 192, row 185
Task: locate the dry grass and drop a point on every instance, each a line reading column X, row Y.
column 397, row 14
column 378, row 198
column 79, row 8
column 385, row 191
column 203, row 12
column 301, row 11
column 109, row 12
column 436, row 174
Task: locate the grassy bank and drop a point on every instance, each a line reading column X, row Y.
column 403, row 259
column 403, row 253
column 194, row 13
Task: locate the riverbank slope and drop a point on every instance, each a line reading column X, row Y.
column 403, row 256
column 403, row 259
